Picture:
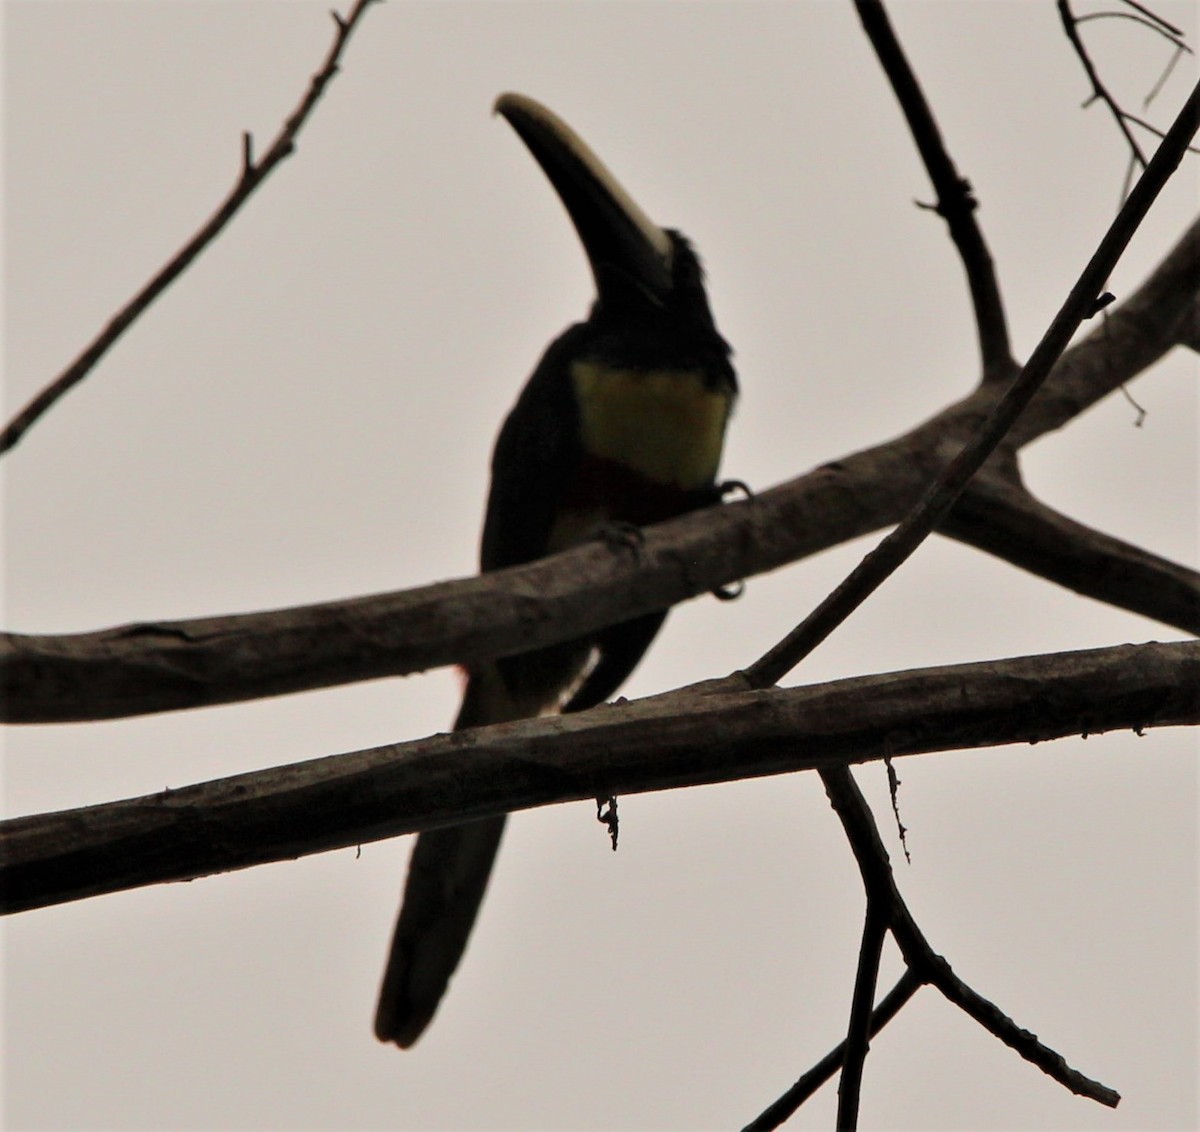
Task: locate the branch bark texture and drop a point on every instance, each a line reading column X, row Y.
column 709, row 733
column 162, row 666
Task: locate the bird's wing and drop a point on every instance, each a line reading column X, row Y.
column 536, row 452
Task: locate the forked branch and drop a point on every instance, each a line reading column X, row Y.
column 885, row 907
column 945, row 490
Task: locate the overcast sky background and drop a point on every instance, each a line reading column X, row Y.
column 308, row 414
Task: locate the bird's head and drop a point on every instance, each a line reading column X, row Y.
column 637, row 266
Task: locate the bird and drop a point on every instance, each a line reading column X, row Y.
column 621, row 425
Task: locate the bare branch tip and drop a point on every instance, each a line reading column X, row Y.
column 1154, row 17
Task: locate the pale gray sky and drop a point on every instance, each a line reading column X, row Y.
column 308, row 415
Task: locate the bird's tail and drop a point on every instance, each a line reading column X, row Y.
column 447, row 877
column 449, row 869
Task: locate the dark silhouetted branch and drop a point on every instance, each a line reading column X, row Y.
column 998, row 515
column 956, row 203
column 252, row 175
column 949, row 484
column 1151, row 16
column 1129, row 338
column 168, row 665
column 1100, row 92
column 858, row 1033
column 1169, row 32
column 859, row 825
column 713, row 732
column 778, row 1111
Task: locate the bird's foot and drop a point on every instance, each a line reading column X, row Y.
column 620, row 535
column 734, row 487
column 725, row 488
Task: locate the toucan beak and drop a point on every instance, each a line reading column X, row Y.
column 624, row 246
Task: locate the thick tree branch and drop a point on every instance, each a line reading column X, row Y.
column 1189, row 327
column 162, row 666
column 997, row 514
column 937, row 501
column 252, row 175
column 956, row 203
column 713, row 732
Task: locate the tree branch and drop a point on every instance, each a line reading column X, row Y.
column 780, row 1110
column 1189, row 330
column 252, row 175
column 1099, row 91
column 997, row 514
column 1157, row 25
column 169, row 665
column 858, row 1032
column 714, row 732
column 956, row 203
column 1153, row 17
column 1127, row 340
column 937, row 501
column 927, row 965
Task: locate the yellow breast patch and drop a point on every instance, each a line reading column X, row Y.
column 666, row 425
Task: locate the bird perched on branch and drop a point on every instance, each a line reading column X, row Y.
column 622, row 423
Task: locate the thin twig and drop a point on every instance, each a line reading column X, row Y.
column 252, row 175
column 1099, row 91
column 1161, row 81
column 1151, row 128
column 780, row 1110
column 956, row 203
column 859, row 824
column 999, row 1024
column 1152, row 15
column 1170, row 37
column 896, row 548
column 858, row 1032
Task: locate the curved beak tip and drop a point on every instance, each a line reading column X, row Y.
column 510, row 102
column 614, row 229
